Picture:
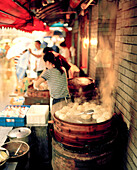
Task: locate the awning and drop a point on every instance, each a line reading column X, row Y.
column 18, row 16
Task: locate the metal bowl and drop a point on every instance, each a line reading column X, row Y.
column 16, row 148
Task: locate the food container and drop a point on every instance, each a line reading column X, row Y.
column 80, row 145
column 31, row 92
column 13, row 117
column 37, row 114
column 21, row 134
column 4, row 155
column 16, row 149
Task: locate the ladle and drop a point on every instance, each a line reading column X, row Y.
column 89, row 112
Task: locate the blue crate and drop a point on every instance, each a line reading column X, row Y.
column 13, row 121
column 2, row 121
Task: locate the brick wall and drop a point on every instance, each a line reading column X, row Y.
column 126, row 68
column 103, row 26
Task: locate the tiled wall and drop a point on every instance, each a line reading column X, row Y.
column 103, row 26
column 126, row 67
column 94, row 36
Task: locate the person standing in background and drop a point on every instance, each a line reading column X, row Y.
column 73, row 53
column 7, row 47
column 40, row 64
column 64, row 51
column 22, row 65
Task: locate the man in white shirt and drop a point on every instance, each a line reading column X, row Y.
column 40, row 64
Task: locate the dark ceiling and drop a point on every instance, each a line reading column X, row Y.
column 51, row 11
column 31, row 15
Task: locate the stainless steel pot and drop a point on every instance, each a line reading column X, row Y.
column 21, row 134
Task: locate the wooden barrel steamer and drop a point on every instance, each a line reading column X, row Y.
column 97, row 158
column 83, row 87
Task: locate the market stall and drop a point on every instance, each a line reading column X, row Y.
column 32, row 116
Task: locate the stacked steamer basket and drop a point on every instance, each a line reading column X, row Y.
column 82, row 87
column 81, row 144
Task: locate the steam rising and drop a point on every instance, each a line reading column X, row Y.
column 107, row 84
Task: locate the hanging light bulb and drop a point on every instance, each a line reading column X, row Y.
column 67, row 16
column 93, row 41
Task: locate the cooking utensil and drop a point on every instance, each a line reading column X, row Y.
column 89, row 112
column 18, row 149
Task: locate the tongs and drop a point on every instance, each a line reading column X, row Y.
column 88, row 112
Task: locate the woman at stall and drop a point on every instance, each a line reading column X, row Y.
column 63, row 60
column 56, row 78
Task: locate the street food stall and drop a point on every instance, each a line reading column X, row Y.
column 97, row 127
column 78, row 123
column 78, row 130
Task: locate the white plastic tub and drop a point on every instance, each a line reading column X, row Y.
column 37, row 114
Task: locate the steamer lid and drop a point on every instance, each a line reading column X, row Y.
column 20, row 132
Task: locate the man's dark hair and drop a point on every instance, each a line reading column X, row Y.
column 38, row 41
